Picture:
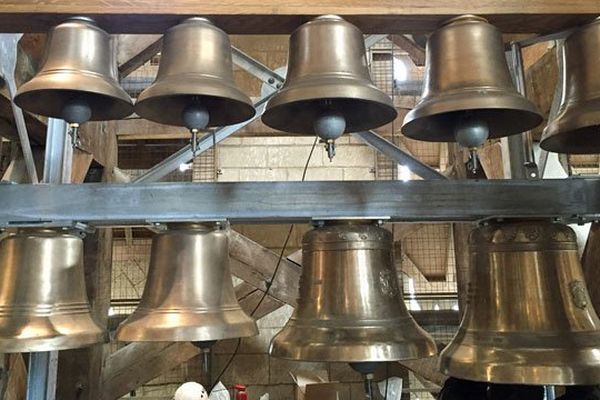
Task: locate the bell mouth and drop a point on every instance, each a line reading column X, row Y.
column 464, row 19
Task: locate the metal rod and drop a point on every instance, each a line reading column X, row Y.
column 398, row 155
column 571, row 200
column 41, row 376
column 56, row 135
column 561, row 35
column 8, row 62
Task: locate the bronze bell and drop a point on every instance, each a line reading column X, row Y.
column 328, row 90
column 350, row 306
column 576, row 127
column 468, row 92
column 528, row 318
column 78, row 79
column 189, row 294
column 43, row 301
column 195, row 86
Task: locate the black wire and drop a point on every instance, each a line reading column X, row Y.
column 270, row 282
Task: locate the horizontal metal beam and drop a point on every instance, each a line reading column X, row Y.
column 395, row 153
column 256, row 202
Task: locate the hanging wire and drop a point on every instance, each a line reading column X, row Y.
column 270, row 282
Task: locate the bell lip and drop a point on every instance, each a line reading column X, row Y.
column 89, row 334
column 401, row 340
column 145, row 327
column 430, row 119
column 304, row 105
column 223, row 111
column 39, row 95
column 511, row 373
column 575, row 130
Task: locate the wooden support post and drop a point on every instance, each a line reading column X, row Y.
column 79, row 370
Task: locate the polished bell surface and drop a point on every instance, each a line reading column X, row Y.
column 350, row 306
column 328, row 73
column 78, row 66
column 189, row 294
column 576, row 127
column 528, row 317
column 43, row 301
column 195, row 70
column 467, row 79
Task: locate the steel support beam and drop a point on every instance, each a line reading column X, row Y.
column 280, row 202
column 256, row 68
column 398, row 155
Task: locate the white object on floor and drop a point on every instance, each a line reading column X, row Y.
column 219, row 392
column 191, row 391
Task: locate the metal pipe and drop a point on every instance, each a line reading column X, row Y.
column 41, row 376
column 56, row 134
column 522, row 159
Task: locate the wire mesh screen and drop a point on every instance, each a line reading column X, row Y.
column 584, row 164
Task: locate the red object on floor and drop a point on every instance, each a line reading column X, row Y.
column 240, row 392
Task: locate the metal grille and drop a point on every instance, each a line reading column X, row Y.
column 141, row 78
column 584, row 164
column 204, row 167
column 131, row 258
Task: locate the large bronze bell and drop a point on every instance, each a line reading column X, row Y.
column 468, row 89
column 43, row 301
column 189, row 294
column 576, row 128
column 350, row 307
column 195, row 86
column 528, row 318
column 328, row 86
column 78, row 79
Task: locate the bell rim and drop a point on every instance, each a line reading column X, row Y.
column 36, row 95
column 141, row 327
column 578, row 120
column 150, row 104
column 508, row 372
column 425, row 121
column 402, row 339
column 305, row 100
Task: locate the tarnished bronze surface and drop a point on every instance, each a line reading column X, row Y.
column 78, row 64
column 195, row 68
column 43, row 302
column 350, row 306
column 328, row 72
column 189, row 294
column 528, row 318
column 467, row 77
column 576, row 128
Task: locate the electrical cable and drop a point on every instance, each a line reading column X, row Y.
column 270, row 282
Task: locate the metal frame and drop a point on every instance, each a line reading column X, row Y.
column 570, row 200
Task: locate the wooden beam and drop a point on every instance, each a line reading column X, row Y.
column 133, row 51
column 416, row 53
column 283, row 16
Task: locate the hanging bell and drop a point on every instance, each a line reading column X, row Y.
column 189, row 294
column 528, row 317
column 350, row 307
column 78, row 79
column 328, row 90
column 576, row 127
column 468, row 93
column 43, row 301
column 195, row 86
